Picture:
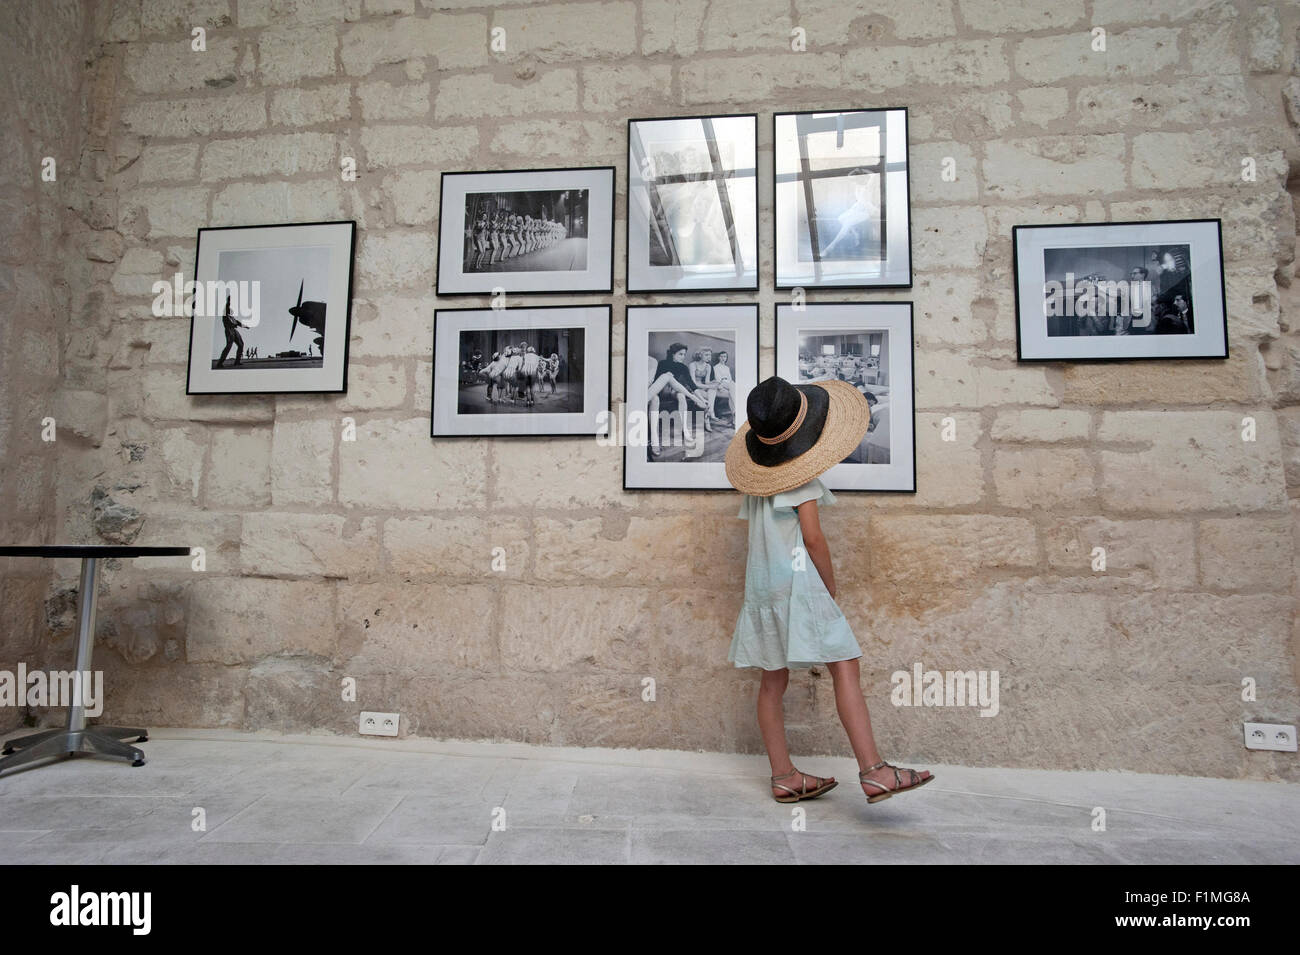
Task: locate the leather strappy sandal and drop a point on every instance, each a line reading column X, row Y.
column 916, row 782
column 803, row 792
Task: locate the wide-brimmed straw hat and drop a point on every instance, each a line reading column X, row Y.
column 794, row 433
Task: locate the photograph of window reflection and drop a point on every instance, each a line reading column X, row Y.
column 841, row 199
column 846, row 214
column 690, row 225
column 692, row 208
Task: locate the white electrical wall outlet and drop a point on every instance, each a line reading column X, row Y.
column 1275, row 736
column 380, row 724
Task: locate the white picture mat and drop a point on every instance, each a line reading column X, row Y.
column 1204, row 269
column 897, row 267
column 896, row 319
column 738, row 143
column 739, row 320
column 449, row 323
column 203, row 379
column 597, row 277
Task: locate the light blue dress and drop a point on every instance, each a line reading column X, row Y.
column 789, row 618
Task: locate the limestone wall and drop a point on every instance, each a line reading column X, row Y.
column 41, row 88
column 372, row 559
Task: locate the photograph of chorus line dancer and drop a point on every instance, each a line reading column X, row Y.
column 1120, row 290
column 692, row 215
column 869, row 346
column 842, row 198
column 536, row 231
column 271, row 311
column 689, row 370
column 520, row 371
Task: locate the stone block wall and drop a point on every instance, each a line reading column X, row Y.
column 41, row 85
column 328, row 559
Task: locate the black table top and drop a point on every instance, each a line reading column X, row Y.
column 90, row 550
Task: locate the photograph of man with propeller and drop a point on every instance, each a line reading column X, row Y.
column 282, row 335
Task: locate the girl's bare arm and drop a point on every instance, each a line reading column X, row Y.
column 814, row 542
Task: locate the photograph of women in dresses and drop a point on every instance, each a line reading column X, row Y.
column 690, row 403
column 687, row 372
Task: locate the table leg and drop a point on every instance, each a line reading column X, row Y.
column 87, row 600
column 78, row 738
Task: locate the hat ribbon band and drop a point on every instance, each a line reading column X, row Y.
column 794, row 425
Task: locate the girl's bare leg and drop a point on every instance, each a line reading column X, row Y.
column 852, row 708
column 771, row 723
column 771, row 719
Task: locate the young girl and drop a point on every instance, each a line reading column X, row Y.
column 789, row 617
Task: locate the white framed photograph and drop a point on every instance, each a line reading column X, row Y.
column 689, row 372
column 542, row 372
column 1120, row 291
column 842, row 195
column 272, row 309
column 869, row 345
column 531, row 230
column 692, row 204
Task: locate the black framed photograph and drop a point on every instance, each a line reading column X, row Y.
column 529, row 230
column 692, row 204
column 272, row 309
column 869, row 345
column 1112, row 291
column 689, row 372
column 842, row 196
column 542, row 371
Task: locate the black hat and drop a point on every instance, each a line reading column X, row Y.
column 785, row 420
column 794, row 433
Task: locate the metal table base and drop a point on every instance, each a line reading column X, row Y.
column 77, row 737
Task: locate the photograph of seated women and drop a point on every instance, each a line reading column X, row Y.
column 691, row 400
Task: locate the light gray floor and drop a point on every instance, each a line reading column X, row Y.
column 310, row 799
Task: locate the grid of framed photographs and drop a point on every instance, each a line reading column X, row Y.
column 841, row 220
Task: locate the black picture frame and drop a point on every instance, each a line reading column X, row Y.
column 443, row 286
column 602, row 407
column 829, row 478
column 346, row 292
column 698, row 312
column 1179, row 233
column 779, row 285
column 628, row 218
